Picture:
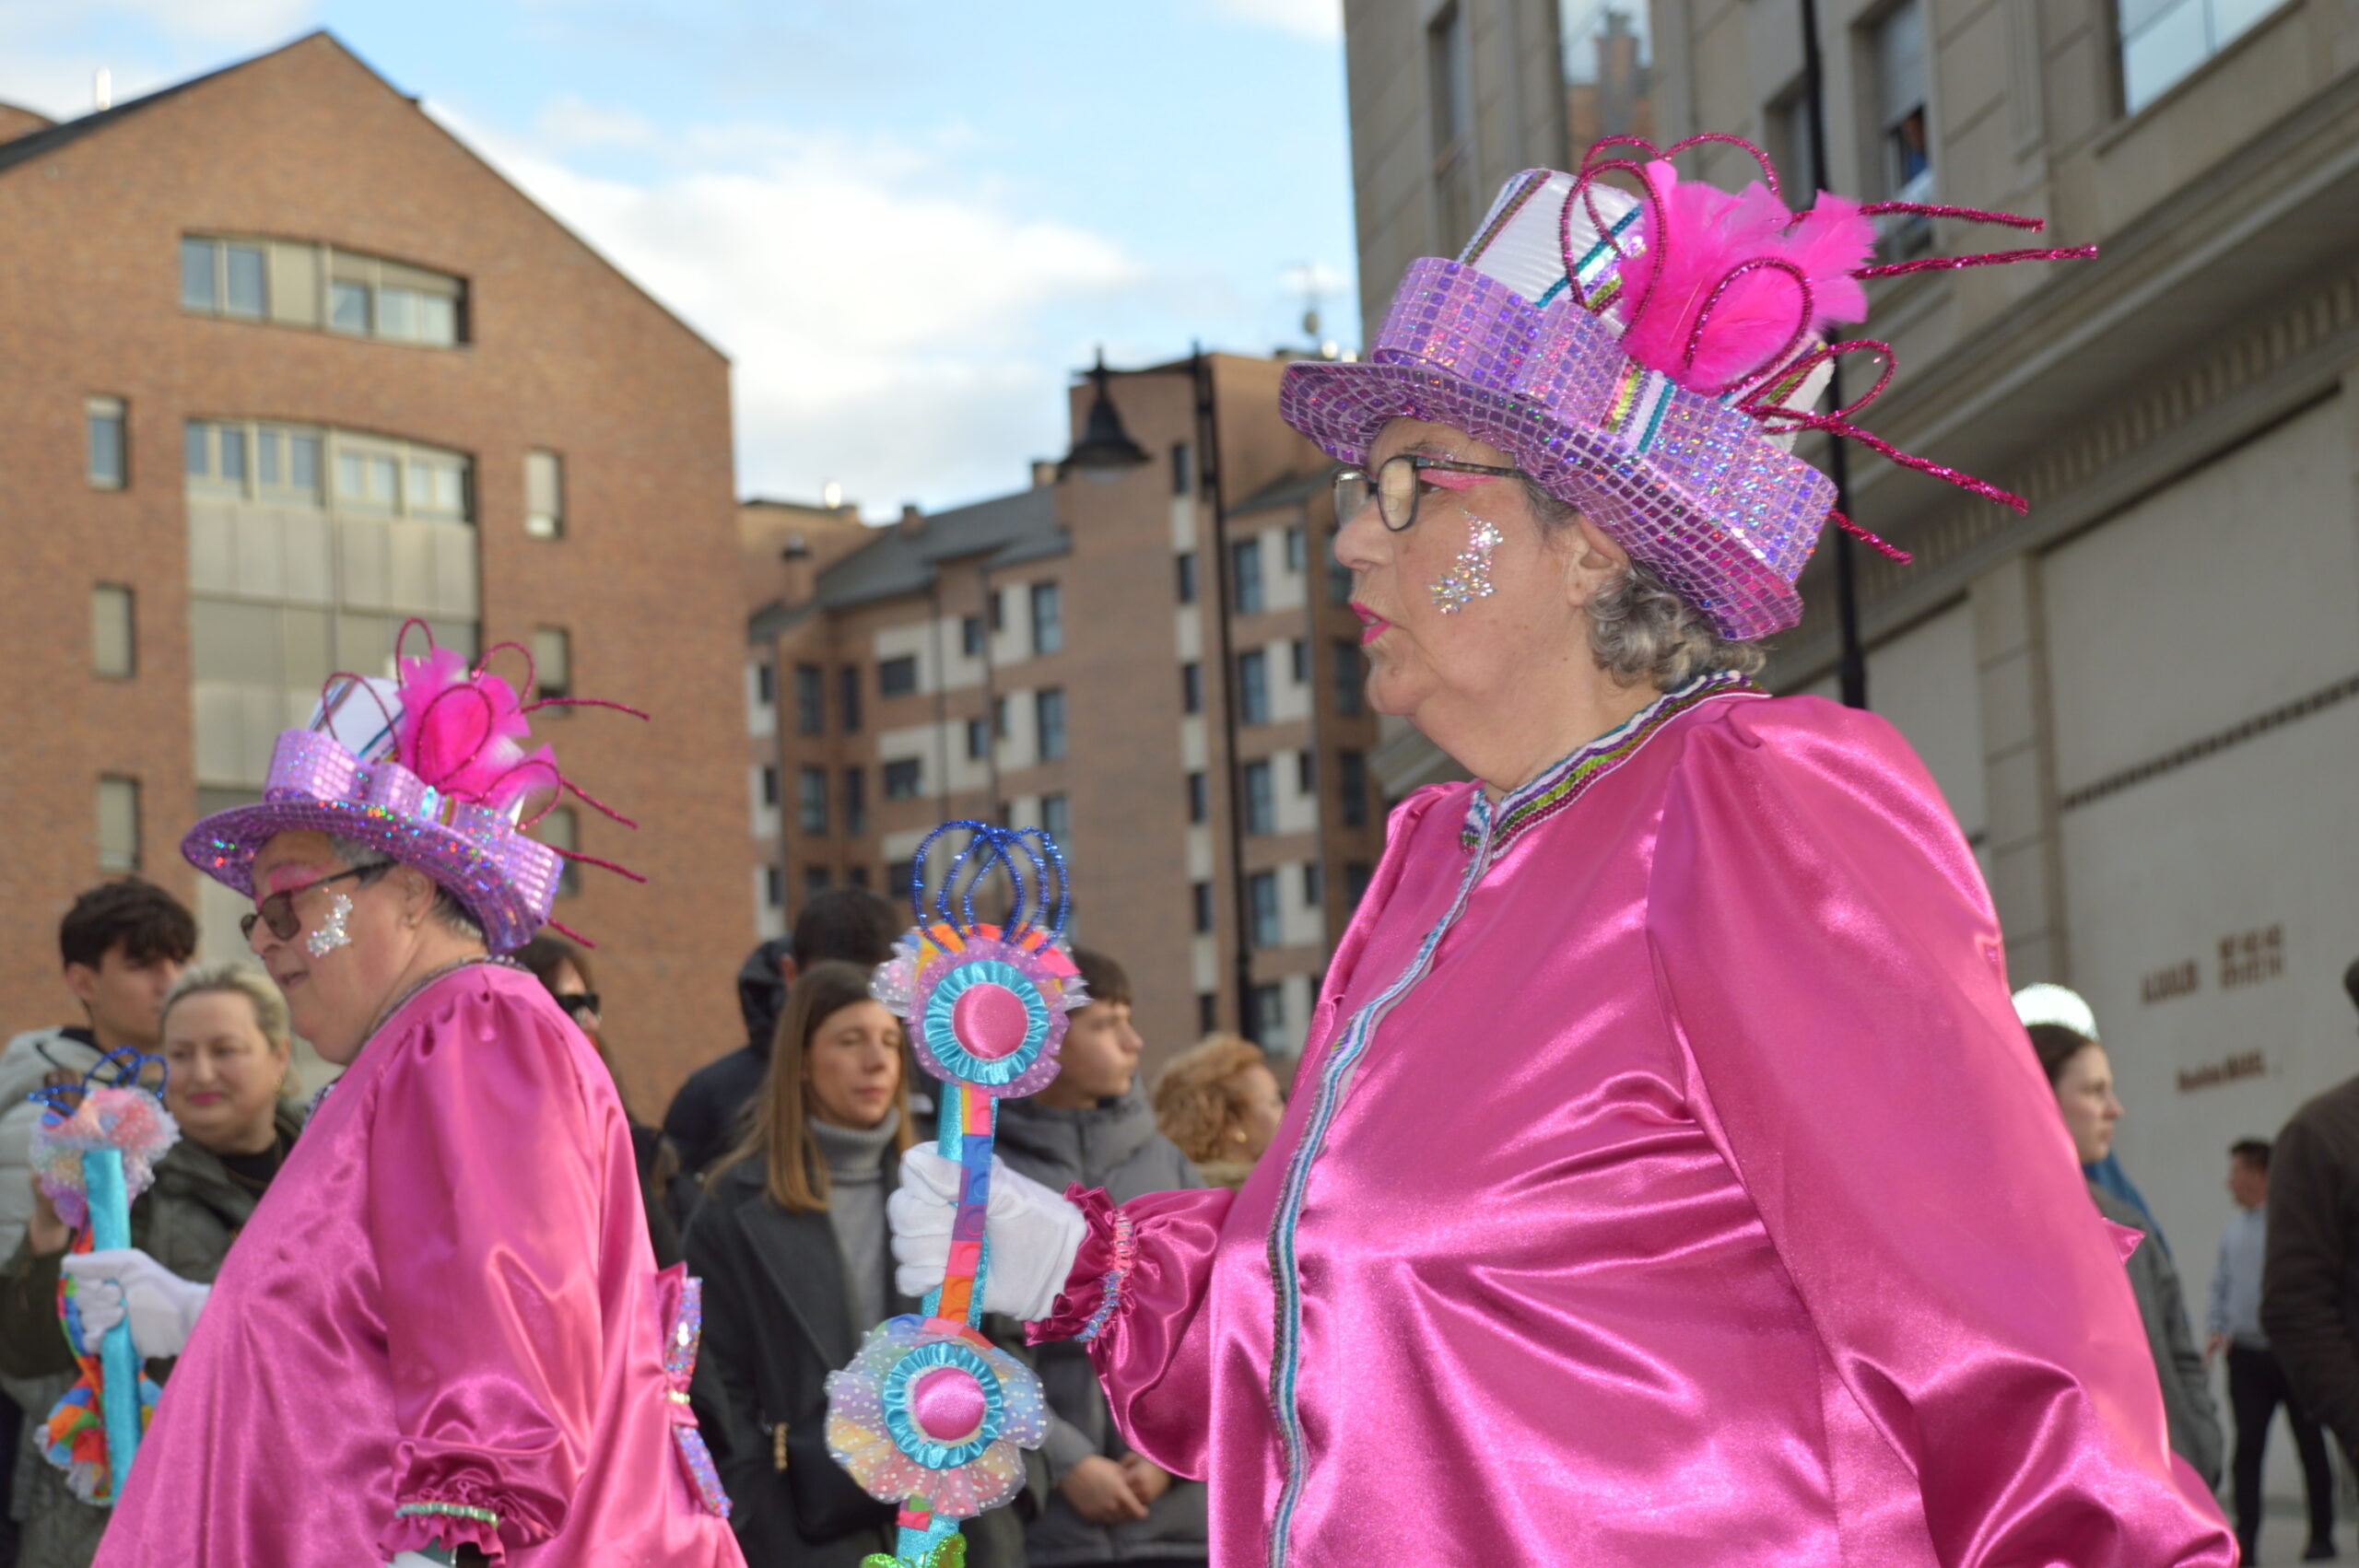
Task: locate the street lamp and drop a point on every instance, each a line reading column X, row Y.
column 1105, row 448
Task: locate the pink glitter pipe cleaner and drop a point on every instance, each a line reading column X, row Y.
column 1770, row 366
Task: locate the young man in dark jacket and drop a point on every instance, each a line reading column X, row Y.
column 1093, row 1126
column 849, row 923
column 2309, row 1287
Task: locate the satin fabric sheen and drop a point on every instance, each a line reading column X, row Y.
column 446, row 1295
column 1702, row 1207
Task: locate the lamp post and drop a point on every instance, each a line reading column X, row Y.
column 1852, row 667
column 1105, row 446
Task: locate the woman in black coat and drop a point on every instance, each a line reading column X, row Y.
column 791, row 1245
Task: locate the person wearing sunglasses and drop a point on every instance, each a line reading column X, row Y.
column 440, row 1341
column 1665, row 1181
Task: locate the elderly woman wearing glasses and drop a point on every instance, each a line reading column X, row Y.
column 1666, row 1180
column 441, row 1336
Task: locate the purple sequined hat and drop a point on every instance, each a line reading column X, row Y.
column 362, row 770
column 1499, row 344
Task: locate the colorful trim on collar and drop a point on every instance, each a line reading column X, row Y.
column 1565, row 782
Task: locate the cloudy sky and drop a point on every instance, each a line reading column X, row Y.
column 906, row 221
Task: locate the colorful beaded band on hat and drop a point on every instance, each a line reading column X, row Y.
column 447, row 1510
column 1125, row 1258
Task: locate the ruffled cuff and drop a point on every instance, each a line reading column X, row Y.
column 1094, row 1296
column 455, row 1514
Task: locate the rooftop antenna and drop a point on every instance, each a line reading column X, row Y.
column 102, row 88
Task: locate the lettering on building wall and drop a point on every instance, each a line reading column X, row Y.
column 2183, row 978
column 2211, row 1074
column 2250, row 958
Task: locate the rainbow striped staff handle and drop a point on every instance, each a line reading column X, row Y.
column 931, row 1415
column 94, row 1150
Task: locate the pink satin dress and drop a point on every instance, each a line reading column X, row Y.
column 446, row 1300
column 1667, row 1184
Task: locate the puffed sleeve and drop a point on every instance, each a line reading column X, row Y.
column 1831, row 965
column 484, row 1208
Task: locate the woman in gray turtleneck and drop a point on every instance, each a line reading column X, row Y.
column 791, row 1245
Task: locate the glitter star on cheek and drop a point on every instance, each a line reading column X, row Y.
column 1470, row 575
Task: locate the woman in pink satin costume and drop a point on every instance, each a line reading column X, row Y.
column 442, row 1337
column 1667, row 1182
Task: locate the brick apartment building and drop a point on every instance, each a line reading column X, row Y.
column 285, row 363
column 1052, row 657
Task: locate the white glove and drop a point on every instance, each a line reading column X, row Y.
column 161, row 1305
column 418, row 1560
column 1034, row 1234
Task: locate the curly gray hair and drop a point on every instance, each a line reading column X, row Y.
column 1640, row 628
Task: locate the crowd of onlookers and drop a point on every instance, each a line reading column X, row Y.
column 769, row 1173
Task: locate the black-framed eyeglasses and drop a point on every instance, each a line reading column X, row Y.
column 277, row 912
column 577, row 1003
column 1400, row 479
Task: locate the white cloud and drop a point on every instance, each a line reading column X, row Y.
column 48, row 58
column 234, row 22
column 1321, row 20
column 885, row 320
column 568, row 123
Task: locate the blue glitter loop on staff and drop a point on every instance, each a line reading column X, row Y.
column 988, row 846
column 123, row 1066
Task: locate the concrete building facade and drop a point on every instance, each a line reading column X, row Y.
column 288, row 365
column 1052, row 658
column 2138, row 697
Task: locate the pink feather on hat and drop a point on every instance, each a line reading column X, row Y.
column 1697, row 238
column 463, row 731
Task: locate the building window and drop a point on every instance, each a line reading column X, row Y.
column 904, row 779
column 999, row 718
column 1253, row 686
column 765, row 686
column 115, row 648
column 1056, row 818
column 1200, row 805
column 816, row 880
column 769, row 786
column 970, row 636
column 1207, row 1013
column 979, row 739
column 2164, row 41
column 1048, row 619
column 848, row 695
column 995, row 607
column 1245, row 574
column 810, row 800
column 560, row 830
column 1790, row 141
column 1183, row 479
column 222, row 277
column 1311, row 886
column 1296, row 552
column 1339, row 582
column 1192, row 688
column 898, row 677
column 373, row 297
column 774, row 886
column 1261, row 893
column 282, row 463
column 810, row 700
column 552, row 663
column 1306, row 772
column 1184, row 564
column 1450, row 98
column 1269, row 1011
column 1350, row 687
column 855, row 801
column 1049, row 714
column 1903, row 126
column 1356, row 876
column 544, row 495
column 860, row 877
column 898, row 876
column 118, row 825
column 1200, row 895
column 108, row 460
column 1351, row 784
column 1261, row 802
column 1298, row 652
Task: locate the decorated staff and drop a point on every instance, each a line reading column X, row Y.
column 94, row 1150
column 931, row 1415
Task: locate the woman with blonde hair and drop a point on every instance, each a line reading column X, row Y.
column 1221, row 1103
column 228, row 1082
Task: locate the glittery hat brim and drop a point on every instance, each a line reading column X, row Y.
column 224, row 845
column 1343, row 407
